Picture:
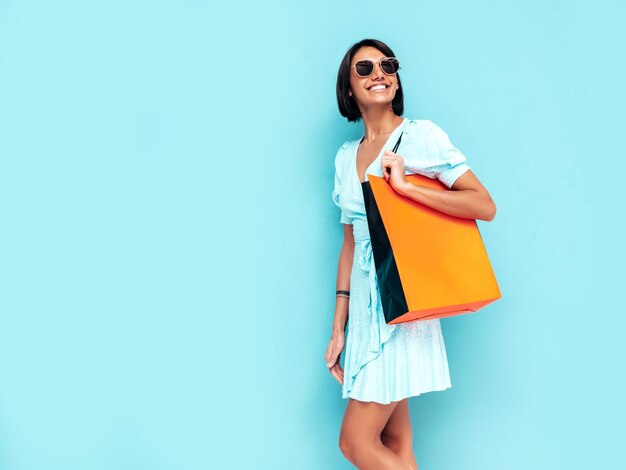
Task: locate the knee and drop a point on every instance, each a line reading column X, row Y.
column 347, row 445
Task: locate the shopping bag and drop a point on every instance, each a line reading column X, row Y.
column 428, row 264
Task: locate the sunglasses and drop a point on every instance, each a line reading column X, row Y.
column 389, row 65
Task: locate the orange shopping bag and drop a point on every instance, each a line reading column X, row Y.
column 428, row 264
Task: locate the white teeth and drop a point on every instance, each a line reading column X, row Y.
column 378, row 87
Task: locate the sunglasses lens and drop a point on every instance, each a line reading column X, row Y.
column 390, row 66
column 364, row 67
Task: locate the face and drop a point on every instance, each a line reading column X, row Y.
column 361, row 87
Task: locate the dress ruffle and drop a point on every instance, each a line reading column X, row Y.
column 379, row 330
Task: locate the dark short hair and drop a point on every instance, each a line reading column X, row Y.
column 347, row 105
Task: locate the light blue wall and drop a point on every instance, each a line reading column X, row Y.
column 169, row 244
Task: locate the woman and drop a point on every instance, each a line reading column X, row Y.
column 385, row 364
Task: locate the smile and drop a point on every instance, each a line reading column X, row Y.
column 377, row 87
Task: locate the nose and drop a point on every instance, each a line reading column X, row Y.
column 378, row 70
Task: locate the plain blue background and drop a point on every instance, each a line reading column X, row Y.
column 169, row 243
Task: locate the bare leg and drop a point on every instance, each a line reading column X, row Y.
column 398, row 435
column 359, row 439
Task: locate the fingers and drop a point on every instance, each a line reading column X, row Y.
column 389, row 156
column 334, row 366
column 337, row 372
column 329, row 357
column 333, row 351
column 390, row 160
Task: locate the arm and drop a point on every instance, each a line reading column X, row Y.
column 468, row 199
column 344, row 268
column 337, row 339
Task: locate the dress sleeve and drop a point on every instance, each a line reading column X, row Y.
column 440, row 158
column 339, row 164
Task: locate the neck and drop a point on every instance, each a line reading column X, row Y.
column 379, row 123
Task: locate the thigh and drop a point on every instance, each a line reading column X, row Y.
column 398, row 427
column 365, row 421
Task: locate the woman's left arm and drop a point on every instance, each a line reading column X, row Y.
column 468, row 198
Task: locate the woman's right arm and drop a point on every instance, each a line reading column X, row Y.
column 344, row 268
column 338, row 338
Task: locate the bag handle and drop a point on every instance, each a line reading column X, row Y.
column 395, row 147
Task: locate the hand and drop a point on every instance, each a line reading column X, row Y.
column 333, row 353
column 393, row 169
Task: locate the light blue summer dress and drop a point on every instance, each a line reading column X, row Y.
column 385, row 363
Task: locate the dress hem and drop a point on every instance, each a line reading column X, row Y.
column 401, row 397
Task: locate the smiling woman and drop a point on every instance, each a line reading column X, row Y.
column 385, row 364
column 370, row 59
